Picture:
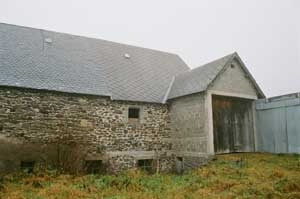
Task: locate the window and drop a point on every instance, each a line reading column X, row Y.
column 146, row 165
column 27, row 166
column 93, row 166
column 180, row 159
column 133, row 113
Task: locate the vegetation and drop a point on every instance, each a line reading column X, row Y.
column 228, row 176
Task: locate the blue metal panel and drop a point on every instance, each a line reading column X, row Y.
column 265, row 138
column 278, row 125
column 277, row 104
column 271, row 124
column 293, row 129
column 280, row 138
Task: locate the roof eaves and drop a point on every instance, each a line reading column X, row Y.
column 260, row 92
column 54, row 91
column 187, row 94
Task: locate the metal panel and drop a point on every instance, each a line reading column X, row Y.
column 265, row 138
column 280, row 138
column 278, row 125
column 293, row 129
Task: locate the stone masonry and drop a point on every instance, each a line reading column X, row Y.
column 174, row 135
column 99, row 123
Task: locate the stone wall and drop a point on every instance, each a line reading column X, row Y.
column 99, row 123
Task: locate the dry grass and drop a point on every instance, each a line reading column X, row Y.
column 229, row 176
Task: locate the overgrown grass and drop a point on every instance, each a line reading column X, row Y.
column 229, row 176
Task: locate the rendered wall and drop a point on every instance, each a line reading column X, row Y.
column 234, row 80
column 189, row 129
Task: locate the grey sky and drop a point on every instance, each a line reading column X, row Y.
column 266, row 33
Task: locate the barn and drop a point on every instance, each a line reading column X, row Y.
column 125, row 106
column 212, row 108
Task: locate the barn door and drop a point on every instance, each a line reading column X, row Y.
column 233, row 125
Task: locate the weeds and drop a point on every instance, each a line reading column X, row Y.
column 228, row 176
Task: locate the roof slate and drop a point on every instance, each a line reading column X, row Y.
column 197, row 79
column 40, row 59
column 84, row 65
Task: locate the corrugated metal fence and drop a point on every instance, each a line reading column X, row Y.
column 278, row 124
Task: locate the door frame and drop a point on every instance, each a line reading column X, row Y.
column 209, row 110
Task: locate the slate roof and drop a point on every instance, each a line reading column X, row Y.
column 200, row 78
column 84, row 65
column 40, row 59
column 197, row 79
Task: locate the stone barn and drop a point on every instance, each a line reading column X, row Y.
column 125, row 106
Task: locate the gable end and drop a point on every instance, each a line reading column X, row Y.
column 235, row 78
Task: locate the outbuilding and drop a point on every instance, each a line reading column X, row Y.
column 125, row 106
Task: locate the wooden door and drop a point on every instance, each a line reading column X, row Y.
column 233, row 125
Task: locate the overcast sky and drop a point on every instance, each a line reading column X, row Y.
column 265, row 33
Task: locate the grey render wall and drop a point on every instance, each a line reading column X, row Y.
column 234, row 80
column 278, row 127
column 96, row 122
column 189, row 135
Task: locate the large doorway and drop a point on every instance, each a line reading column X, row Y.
column 233, row 124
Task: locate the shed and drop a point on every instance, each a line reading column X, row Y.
column 212, row 109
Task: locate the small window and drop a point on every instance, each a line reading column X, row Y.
column 232, row 65
column 93, row 166
column 146, row 165
column 27, row 166
column 180, row 159
column 133, row 113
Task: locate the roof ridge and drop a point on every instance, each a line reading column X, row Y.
column 87, row 37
